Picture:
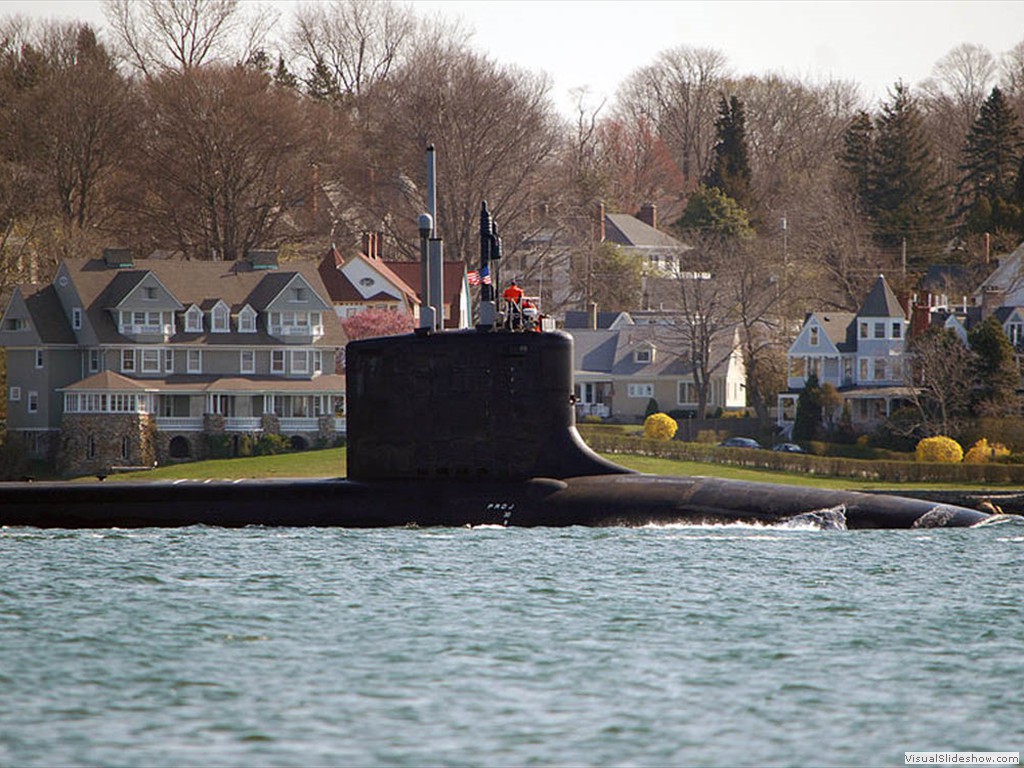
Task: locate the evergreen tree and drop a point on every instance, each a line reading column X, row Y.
column 992, row 159
column 731, row 169
column 906, row 202
column 809, row 410
column 996, row 372
column 858, row 157
column 710, row 211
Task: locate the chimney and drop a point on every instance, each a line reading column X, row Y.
column 592, row 316
column 649, row 215
column 991, row 299
column 600, row 222
column 380, row 244
column 368, row 244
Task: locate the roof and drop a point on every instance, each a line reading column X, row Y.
column 578, row 318
column 47, row 315
column 110, row 381
column 628, row 230
column 202, row 283
column 881, row 302
column 611, row 352
column 839, row 327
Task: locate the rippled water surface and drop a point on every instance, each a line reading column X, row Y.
column 495, row 647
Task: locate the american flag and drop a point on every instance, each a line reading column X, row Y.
column 480, row 276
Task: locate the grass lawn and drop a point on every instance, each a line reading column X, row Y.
column 332, row 463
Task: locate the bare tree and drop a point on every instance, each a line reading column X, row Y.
column 938, row 380
column 679, row 92
column 160, row 35
column 221, row 156
column 357, row 42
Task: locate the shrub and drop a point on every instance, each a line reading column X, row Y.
column 652, row 408
column 660, row 426
column 984, row 451
column 941, row 449
column 270, row 444
column 218, row 446
column 592, row 418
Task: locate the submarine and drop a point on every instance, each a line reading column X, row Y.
column 472, row 427
column 464, row 428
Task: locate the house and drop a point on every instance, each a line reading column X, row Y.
column 365, row 280
column 860, row 354
column 662, row 253
column 618, row 371
column 119, row 362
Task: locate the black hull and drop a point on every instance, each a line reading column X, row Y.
column 602, row 500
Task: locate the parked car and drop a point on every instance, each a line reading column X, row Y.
column 788, row 448
column 740, row 442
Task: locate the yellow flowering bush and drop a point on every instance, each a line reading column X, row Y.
column 660, row 426
column 942, row 449
column 983, row 451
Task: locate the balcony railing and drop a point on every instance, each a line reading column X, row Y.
column 246, row 424
column 297, row 330
column 147, row 330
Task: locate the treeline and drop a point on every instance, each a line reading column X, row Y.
column 209, row 127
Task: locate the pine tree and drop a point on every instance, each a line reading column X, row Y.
column 809, row 411
column 858, row 157
column 996, row 371
column 992, row 160
column 906, row 202
column 731, row 169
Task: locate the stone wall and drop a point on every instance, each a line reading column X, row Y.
column 93, row 443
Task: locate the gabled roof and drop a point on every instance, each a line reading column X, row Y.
column 881, row 302
column 48, row 318
column 341, row 290
column 611, row 352
column 108, row 381
column 839, row 327
column 623, row 229
column 578, row 318
column 198, row 283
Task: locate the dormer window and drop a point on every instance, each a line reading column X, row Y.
column 193, row 320
column 644, row 355
column 247, row 320
column 219, row 319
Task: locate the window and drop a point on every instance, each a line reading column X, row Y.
column 94, row 360
column 318, row 361
column 687, row 393
column 863, row 332
column 169, row 360
column 300, row 361
column 193, row 320
column 814, row 335
column 863, row 366
column 880, row 369
column 195, row 361
column 16, row 324
column 149, row 293
column 247, row 321
column 298, row 294
column 277, row 361
column 897, row 330
column 127, row 360
column 879, row 330
column 76, row 318
column 150, row 360
column 14, row 395
column 39, row 358
column 640, row 390
column 644, row 355
column 33, row 401
column 219, row 319
column 247, row 361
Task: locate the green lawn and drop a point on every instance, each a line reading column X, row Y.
column 332, row 463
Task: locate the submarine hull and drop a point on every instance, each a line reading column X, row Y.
column 600, row 500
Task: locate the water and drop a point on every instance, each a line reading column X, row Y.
column 495, row 647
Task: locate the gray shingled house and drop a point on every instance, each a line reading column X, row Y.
column 119, row 362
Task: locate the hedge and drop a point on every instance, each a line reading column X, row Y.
column 825, row 466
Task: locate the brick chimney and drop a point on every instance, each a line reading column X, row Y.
column 649, row 215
